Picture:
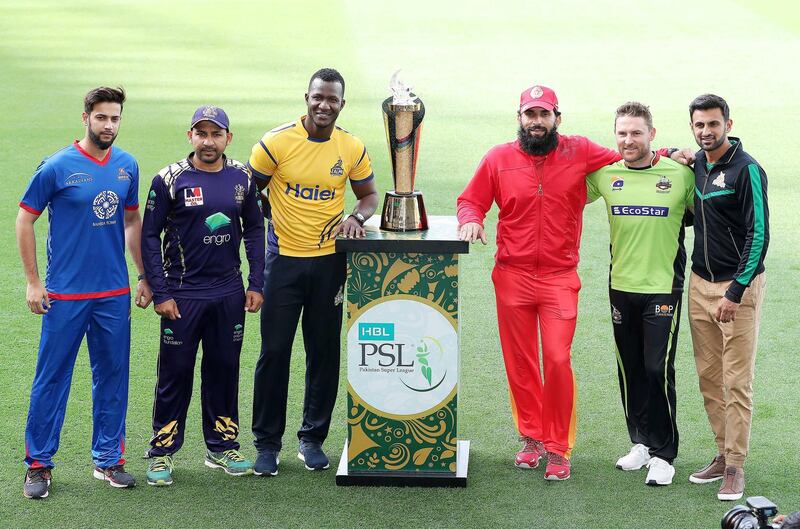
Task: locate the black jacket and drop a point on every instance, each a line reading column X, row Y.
column 731, row 219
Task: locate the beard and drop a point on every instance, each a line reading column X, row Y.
column 102, row 145
column 538, row 146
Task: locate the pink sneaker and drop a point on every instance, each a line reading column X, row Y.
column 558, row 467
column 531, row 454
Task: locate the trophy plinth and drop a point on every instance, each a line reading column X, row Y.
column 403, row 208
column 403, row 212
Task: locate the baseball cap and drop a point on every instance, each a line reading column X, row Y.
column 213, row 114
column 538, row 96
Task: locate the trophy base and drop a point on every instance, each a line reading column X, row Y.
column 403, row 212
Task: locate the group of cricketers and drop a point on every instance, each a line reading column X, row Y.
column 200, row 208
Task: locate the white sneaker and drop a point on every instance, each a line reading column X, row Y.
column 660, row 472
column 636, row 458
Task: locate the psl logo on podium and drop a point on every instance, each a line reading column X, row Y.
column 402, row 356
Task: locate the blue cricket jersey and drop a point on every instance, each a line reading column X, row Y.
column 85, row 200
column 204, row 217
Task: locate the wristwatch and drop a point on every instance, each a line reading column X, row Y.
column 359, row 217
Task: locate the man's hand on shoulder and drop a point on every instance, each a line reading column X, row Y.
column 683, row 156
column 472, row 232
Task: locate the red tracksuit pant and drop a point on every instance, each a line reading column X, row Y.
column 530, row 308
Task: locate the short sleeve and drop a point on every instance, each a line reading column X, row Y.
column 41, row 189
column 362, row 168
column 592, row 186
column 262, row 162
column 132, row 200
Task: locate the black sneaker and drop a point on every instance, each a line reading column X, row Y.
column 115, row 475
column 37, row 483
column 266, row 463
column 312, row 455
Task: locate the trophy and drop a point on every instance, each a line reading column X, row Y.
column 403, row 208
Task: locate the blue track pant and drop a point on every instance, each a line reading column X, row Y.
column 106, row 324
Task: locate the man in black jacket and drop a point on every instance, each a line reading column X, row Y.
column 731, row 228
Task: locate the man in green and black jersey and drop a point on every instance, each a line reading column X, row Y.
column 727, row 285
column 646, row 197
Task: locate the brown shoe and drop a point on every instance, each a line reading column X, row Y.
column 711, row 472
column 732, row 484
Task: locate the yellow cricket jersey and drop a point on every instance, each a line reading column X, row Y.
column 307, row 185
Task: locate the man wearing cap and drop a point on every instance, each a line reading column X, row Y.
column 204, row 205
column 539, row 184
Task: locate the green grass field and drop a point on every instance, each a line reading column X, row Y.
column 468, row 61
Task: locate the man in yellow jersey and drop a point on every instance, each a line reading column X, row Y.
column 304, row 166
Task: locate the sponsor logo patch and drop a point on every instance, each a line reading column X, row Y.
column 616, row 183
column 78, row 178
column 123, row 174
column 640, row 211
column 616, row 316
column 665, row 310
column 193, row 196
column 105, row 205
column 337, row 169
column 309, row 193
column 663, row 185
column 214, row 223
column 719, row 181
column 238, row 332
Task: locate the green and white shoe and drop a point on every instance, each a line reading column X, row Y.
column 231, row 461
column 159, row 471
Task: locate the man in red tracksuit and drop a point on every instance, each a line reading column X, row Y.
column 539, row 184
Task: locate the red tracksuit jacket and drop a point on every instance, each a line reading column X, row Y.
column 541, row 200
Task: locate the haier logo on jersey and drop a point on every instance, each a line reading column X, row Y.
column 616, row 183
column 309, row 193
column 665, row 310
column 216, row 222
column 193, row 196
column 639, row 211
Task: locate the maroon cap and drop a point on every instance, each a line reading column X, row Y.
column 538, row 96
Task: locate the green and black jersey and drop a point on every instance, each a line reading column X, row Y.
column 645, row 212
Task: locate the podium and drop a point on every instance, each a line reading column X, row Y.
column 403, row 358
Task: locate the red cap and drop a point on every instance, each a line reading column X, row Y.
column 538, row 96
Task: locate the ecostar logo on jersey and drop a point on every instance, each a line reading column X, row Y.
column 216, row 222
column 640, row 211
column 309, row 193
column 402, row 356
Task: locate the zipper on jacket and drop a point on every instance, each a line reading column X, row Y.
column 705, row 228
column 734, row 243
column 538, row 168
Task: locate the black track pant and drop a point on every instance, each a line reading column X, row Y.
column 219, row 325
column 646, row 335
column 315, row 287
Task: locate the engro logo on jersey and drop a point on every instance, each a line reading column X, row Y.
column 640, row 211
column 309, row 193
column 216, row 222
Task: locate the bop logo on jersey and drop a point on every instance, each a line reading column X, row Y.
column 665, row 310
column 640, row 211
column 309, row 193
column 105, row 205
column 193, row 196
column 216, row 222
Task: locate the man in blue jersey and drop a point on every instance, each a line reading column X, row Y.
column 90, row 191
column 204, row 205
